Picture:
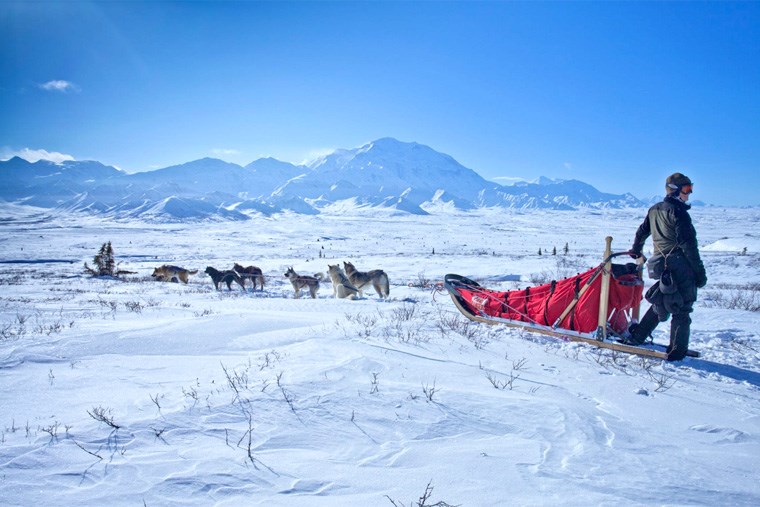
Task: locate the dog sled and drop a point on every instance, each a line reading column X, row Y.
column 595, row 307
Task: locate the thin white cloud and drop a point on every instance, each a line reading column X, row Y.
column 568, row 166
column 223, row 151
column 35, row 155
column 59, row 85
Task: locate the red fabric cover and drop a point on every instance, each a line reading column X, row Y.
column 540, row 305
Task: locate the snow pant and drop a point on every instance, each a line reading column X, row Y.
column 679, row 305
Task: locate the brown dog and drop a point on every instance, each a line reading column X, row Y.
column 169, row 273
column 252, row 273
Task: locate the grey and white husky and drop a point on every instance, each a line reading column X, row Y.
column 342, row 287
column 302, row 282
column 360, row 279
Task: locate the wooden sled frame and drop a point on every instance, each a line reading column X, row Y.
column 597, row 338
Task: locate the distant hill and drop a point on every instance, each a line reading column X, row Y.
column 399, row 177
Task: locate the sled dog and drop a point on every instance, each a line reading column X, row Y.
column 342, row 287
column 360, row 279
column 227, row 276
column 252, row 273
column 302, row 281
column 169, row 273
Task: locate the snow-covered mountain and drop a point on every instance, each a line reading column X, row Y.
column 387, row 171
column 404, row 177
column 270, row 174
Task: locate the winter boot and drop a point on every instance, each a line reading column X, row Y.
column 641, row 331
column 680, row 327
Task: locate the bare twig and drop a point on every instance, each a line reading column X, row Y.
column 103, row 415
column 429, row 391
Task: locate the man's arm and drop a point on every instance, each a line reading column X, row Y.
column 642, row 233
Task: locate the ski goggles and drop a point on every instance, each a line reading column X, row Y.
column 686, row 189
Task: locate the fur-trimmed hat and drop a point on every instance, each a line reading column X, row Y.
column 675, row 181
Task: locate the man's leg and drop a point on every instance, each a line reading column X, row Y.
column 640, row 331
column 680, row 328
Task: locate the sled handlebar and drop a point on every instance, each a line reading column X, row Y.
column 619, row 254
column 639, row 258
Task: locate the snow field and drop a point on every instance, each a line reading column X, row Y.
column 255, row 398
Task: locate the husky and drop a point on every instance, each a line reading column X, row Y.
column 342, row 287
column 227, row 276
column 251, row 272
column 361, row 279
column 302, row 281
column 169, row 273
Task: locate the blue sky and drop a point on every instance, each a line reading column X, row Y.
column 615, row 94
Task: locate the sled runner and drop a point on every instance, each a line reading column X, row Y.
column 595, row 307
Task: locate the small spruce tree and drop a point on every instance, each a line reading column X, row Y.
column 105, row 263
column 554, row 250
column 566, row 249
column 539, row 251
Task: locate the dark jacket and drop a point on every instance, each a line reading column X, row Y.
column 673, row 234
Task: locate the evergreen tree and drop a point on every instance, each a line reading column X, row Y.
column 539, row 251
column 567, row 248
column 104, row 261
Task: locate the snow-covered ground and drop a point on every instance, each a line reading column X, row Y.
column 137, row 392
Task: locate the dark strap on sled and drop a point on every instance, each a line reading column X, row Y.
column 548, row 299
column 525, row 303
column 577, row 295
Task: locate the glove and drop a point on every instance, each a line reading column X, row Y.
column 634, row 254
column 700, row 279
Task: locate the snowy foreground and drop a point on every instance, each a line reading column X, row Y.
column 137, row 392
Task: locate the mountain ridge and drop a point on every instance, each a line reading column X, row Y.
column 401, row 177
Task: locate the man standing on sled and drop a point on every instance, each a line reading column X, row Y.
column 675, row 263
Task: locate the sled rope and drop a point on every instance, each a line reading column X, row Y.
column 438, row 288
